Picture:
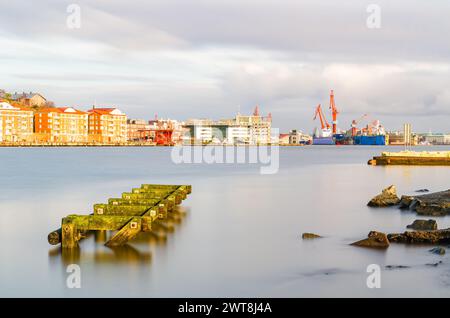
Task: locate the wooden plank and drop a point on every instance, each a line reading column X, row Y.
column 119, row 201
column 126, row 233
column 106, row 209
column 69, row 235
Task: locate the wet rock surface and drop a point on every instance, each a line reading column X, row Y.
column 423, row 225
column 434, row 264
column 309, row 236
column 375, row 240
column 427, row 237
column 387, row 197
column 438, row 250
column 396, row 266
column 433, row 204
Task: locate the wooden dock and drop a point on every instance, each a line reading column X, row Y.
column 409, row 158
column 136, row 211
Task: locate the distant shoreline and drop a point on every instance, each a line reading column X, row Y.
column 167, row 146
column 128, row 145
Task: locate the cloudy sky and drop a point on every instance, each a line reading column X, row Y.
column 208, row 58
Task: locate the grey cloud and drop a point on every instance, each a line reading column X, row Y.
column 161, row 56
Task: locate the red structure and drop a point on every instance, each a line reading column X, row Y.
column 334, row 111
column 162, row 137
column 323, row 122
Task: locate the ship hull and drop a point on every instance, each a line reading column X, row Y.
column 377, row 140
column 323, row 141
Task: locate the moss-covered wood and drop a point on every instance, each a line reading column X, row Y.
column 136, row 211
column 126, row 233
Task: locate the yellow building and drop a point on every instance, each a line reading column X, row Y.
column 61, row 124
column 16, row 123
column 107, row 125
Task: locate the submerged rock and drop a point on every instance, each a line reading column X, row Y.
column 309, row 236
column 374, row 239
column 438, row 250
column 387, row 197
column 433, row 204
column 423, row 190
column 434, row 264
column 430, row 237
column 396, row 266
column 423, row 225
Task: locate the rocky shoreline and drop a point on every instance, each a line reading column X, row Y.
column 432, row 204
column 423, row 231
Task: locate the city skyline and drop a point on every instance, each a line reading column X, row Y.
column 218, row 58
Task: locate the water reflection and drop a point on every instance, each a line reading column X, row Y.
column 92, row 248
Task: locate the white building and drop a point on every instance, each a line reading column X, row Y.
column 252, row 130
column 237, row 135
column 436, row 139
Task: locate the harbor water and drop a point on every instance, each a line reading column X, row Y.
column 241, row 233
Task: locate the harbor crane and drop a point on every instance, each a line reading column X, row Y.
column 323, row 122
column 334, row 112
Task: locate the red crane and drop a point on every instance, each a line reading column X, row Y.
column 334, row 112
column 323, row 121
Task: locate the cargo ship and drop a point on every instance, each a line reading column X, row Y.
column 323, row 137
column 370, row 140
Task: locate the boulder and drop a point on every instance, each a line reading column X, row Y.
column 374, row 239
column 309, row 236
column 387, row 197
column 423, row 190
column 423, row 225
column 406, row 201
column 430, row 237
column 438, row 250
column 433, row 204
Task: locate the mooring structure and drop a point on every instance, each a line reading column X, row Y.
column 129, row 215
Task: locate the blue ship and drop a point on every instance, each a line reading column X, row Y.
column 373, row 140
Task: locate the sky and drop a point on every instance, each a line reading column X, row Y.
column 210, row 59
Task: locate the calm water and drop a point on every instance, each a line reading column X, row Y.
column 240, row 235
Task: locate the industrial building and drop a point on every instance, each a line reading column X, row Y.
column 252, row 129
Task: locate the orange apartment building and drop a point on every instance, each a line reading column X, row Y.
column 107, row 125
column 16, row 122
column 61, row 124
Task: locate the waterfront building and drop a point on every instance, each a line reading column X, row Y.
column 16, row 123
column 251, row 130
column 397, row 138
column 171, row 130
column 296, row 137
column 138, row 130
column 29, row 99
column 435, row 139
column 107, row 125
column 283, row 139
column 60, row 125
